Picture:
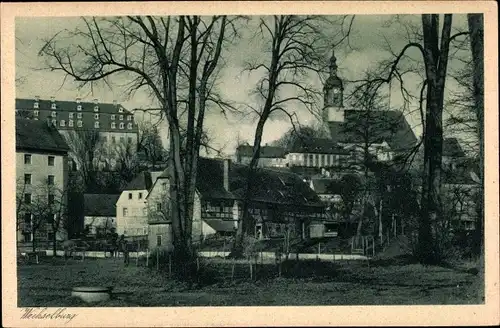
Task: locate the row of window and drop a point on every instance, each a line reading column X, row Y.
column 136, row 231
column 97, row 125
column 129, row 125
column 36, row 105
column 318, row 159
column 113, row 139
column 130, row 195
column 50, row 159
column 126, row 213
column 28, row 179
column 80, row 115
column 28, row 198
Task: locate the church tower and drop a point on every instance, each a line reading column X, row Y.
column 333, row 110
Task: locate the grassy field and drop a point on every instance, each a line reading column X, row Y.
column 49, row 284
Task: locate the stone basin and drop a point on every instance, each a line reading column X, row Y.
column 92, row 294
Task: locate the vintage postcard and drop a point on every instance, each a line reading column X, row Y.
column 234, row 163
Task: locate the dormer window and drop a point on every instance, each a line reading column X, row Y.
column 53, row 114
column 35, row 105
column 122, row 125
column 113, row 125
column 120, row 110
column 79, row 107
column 129, row 126
column 96, row 108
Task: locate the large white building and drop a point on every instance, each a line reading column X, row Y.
column 115, row 124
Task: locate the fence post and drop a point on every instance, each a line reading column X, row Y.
column 147, row 257
column 251, row 267
column 373, row 244
column 232, row 270
column 170, row 264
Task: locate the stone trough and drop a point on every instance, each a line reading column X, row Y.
column 92, row 294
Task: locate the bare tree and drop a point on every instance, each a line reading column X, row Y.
column 173, row 58
column 85, row 150
column 434, row 48
column 295, row 134
column 127, row 163
column 476, row 30
column 150, row 143
column 57, row 218
column 295, row 48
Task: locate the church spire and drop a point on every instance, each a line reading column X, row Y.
column 333, row 88
column 333, row 64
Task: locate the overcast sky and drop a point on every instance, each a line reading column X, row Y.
column 369, row 36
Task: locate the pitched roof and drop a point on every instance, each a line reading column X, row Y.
column 220, row 225
column 70, row 106
column 317, row 145
column 389, row 126
column 452, row 148
column 142, row 181
column 265, row 151
column 270, row 185
column 100, row 204
column 38, row 135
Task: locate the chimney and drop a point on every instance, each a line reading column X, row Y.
column 226, row 173
column 52, row 99
column 78, row 100
column 115, row 103
column 37, row 98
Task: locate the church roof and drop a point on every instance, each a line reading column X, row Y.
column 333, row 81
column 376, row 127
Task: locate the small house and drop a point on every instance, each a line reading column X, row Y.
column 99, row 214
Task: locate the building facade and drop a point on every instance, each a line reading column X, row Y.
column 99, row 214
column 114, row 124
column 42, row 178
column 281, row 205
column 131, row 206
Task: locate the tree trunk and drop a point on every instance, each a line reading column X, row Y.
column 436, row 59
column 54, row 246
column 33, row 241
column 476, row 30
column 237, row 250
